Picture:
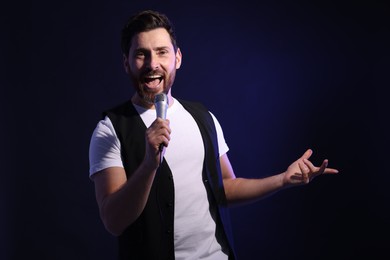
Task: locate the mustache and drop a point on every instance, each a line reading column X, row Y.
column 150, row 73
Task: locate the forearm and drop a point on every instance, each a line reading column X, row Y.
column 241, row 191
column 122, row 207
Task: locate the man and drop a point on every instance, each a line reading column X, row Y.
column 176, row 209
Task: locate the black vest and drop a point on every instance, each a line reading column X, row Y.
column 151, row 235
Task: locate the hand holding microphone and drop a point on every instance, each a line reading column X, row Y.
column 161, row 104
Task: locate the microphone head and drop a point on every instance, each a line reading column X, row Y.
column 162, row 97
column 161, row 105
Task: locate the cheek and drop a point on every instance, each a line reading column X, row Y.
column 171, row 65
column 135, row 67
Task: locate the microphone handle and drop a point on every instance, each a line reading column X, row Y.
column 161, row 147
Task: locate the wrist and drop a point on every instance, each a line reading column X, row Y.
column 283, row 184
column 148, row 166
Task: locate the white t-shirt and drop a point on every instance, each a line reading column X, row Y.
column 194, row 228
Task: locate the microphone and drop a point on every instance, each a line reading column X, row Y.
column 161, row 105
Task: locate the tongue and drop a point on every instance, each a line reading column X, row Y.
column 152, row 83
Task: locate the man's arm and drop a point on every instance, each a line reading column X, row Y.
column 241, row 190
column 122, row 200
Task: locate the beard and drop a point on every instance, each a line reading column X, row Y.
column 147, row 94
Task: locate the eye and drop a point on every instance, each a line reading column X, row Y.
column 139, row 54
column 162, row 52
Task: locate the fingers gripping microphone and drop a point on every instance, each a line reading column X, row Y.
column 161, row 105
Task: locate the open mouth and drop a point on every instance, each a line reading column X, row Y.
column 153, row 81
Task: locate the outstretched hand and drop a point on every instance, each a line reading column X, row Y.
column 302, row 171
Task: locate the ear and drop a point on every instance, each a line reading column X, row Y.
column 126, row 64
column 178, row 58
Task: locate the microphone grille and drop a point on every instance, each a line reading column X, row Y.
column 160, row 97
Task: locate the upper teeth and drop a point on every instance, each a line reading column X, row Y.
column 154, row 76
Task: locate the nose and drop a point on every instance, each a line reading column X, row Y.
column 153, row 62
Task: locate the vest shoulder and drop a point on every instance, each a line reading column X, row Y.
column 193, row 105
column 124, row 109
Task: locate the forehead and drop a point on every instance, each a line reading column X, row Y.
column 152, row 39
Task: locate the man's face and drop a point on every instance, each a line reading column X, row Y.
column 152, row 64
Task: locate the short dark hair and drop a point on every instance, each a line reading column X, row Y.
column 145, row 21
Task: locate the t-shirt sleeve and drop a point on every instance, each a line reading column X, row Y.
column 222, row 145
column 104, row 148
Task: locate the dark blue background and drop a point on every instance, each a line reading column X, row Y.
column 281, row 77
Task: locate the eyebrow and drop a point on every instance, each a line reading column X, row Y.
column 155, row 49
